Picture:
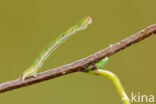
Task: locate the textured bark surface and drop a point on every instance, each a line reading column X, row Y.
column 80, row 65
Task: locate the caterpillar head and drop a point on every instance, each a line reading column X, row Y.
column 85, row 22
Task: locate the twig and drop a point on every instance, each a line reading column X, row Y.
column 80, row 65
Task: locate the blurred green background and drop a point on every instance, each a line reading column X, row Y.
column 27, row 26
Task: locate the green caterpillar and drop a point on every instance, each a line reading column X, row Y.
column 37, row 64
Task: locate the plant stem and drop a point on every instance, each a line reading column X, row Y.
column 116, row 82
column 82, row 64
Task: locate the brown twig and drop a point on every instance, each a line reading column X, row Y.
column 80, row 65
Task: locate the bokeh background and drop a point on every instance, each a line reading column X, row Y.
column 27, row 26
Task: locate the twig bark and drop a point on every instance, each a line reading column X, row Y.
column 80, row 65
